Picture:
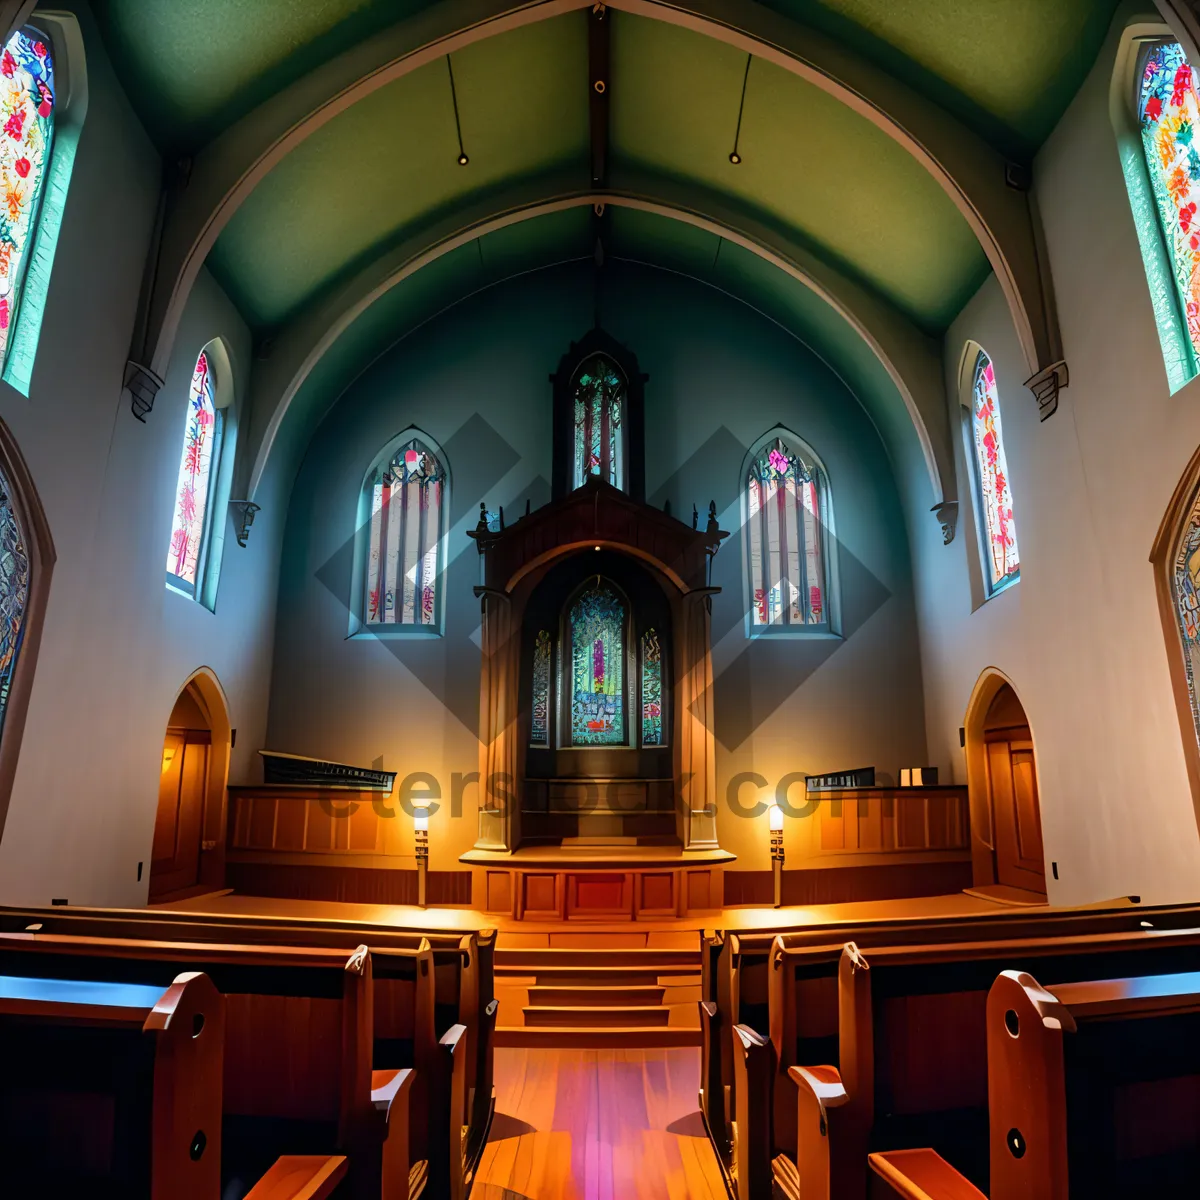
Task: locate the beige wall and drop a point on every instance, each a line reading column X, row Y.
column 1080, row 635
column 117, row 647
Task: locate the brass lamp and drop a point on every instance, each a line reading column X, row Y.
column 421, row 828
column 776, row 818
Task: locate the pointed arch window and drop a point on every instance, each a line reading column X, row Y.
column 1002, row 559
column 786, row 521
column 14, row 592
column 1168, row 116
column 596, row 626
column 27, row 111
column 406, row 495
column 199, row 461
column 599, row 413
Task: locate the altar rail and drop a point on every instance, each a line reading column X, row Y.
column 865, row 820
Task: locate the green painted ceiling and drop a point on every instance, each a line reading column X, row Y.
column 810, row 165
column 1007, row 68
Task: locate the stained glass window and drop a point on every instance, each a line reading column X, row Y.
column 1169, row 115
column 597, row 627
column 1186, row 574
column 14, row 592
column 785, row 497
column 995, row 491
column 403, row 557
column 201, row 443
column 599, row 417
column 539, row 731
column 26, row 138
column 652, row 705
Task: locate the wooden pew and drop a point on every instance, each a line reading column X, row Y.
column 911, row 1066
column 1093, row 1090
column 464, row 977
column 114, row 1090
column 736, row 988
column 306, row 1016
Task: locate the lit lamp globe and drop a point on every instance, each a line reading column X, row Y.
column 776, row 815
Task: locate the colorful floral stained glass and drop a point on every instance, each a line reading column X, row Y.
column 403, row 558
column 14, row 593
column 599, row 415
column 539, row 730
column 1186, row 574
column 1169, row 115
column 785, row 532
column 995, row 491
column 26, row 139
column 597, row 629
column 200, row 437
column 652, row 700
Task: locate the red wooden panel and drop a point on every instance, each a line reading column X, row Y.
column 541, row 893
column 599, row 893
column 699, row 890
column 321, row 824
column 910, row 822
column 363, row 828
column 395, row 1001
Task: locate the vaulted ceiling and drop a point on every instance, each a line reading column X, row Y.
column 819, row 173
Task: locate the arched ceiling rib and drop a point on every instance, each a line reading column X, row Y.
column 896, row 368
column 964, row 165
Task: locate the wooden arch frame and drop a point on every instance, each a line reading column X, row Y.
column 983, row 833
column 31, row 518
column 1162, row 555
column 971, row 172
column 596, row 341
column 214, row 704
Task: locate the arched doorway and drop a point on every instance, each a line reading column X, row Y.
column 191, row 790
column 1002, row 779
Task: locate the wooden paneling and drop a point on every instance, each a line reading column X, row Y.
column 894, row 819
column 307, row 820
column 357, row 885
column 498, row 892
column 700, row 890
column 656, row 892
column 540, row 895
column 837, row 885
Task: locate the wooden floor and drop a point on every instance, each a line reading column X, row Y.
column 598, row 1125
column 404, row 916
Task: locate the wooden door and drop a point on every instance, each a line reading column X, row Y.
column 178, row 827
column 1016, row 817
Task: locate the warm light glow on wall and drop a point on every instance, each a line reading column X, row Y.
column 168, row 758
column 776, row 815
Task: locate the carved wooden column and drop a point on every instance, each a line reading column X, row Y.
column 698, row 767
column 498, row 787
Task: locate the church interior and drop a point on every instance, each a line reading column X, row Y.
column 598, row 658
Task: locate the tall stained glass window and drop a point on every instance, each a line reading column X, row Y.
column 1003, row 562
column 26, row 139
column 785, row 497
column 599, row 421
column 407, row 515
column 597, row 630
column 539, row 730
column 1186, row 576
column 197, row 470
column 652, row 699
column 1169, row 115
column 14, row 592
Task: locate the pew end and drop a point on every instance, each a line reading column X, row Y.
column 823, row 1167
column 713, row 1097
column 300, row 1177
column 754, row 1070
column 917, row 1175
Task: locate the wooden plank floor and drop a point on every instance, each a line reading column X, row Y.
column 598, row 1125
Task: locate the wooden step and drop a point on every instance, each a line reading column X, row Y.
column 613, row 1037
column 598, row 976
column 587, row 996
column 596, row 1016
column 551, row 958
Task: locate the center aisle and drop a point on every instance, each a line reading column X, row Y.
column 598, row 1125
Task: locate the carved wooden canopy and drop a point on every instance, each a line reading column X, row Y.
column 598, row 514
